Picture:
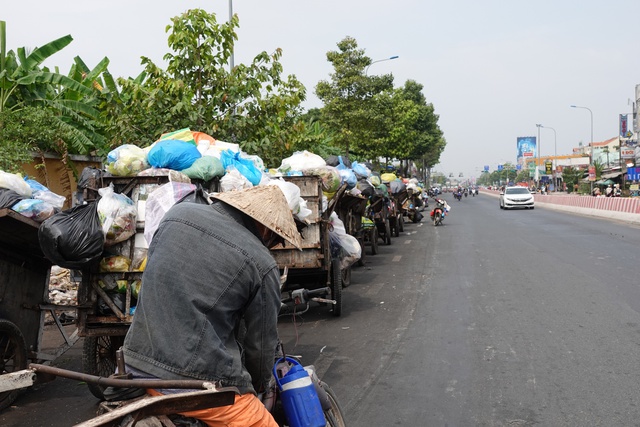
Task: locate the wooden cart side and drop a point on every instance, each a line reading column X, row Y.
column 24, row 276
column 313, row 242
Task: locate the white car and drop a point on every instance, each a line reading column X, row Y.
column 516, row 197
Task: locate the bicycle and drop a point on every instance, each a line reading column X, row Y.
column 138, row 407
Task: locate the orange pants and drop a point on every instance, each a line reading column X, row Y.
column 246, row 411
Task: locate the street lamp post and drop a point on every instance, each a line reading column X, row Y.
column 537, row 179
column 366, row 70
column 555, row 154
column 231, row 64
column 591, row 143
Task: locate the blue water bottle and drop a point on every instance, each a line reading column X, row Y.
column 299, row 398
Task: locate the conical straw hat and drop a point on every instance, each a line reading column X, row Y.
column 267, row 205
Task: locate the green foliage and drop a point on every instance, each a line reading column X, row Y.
column 349, row 106
column 65, row 103
column 414, row 132
column 253, row 104
column 370, row 119
column 29, row 130
column 572, row 176
column 523, row 176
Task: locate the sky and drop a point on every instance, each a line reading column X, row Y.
column 492, row 69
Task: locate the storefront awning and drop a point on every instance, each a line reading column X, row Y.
column 611, row 175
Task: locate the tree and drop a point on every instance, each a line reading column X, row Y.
column 41, row 110
column 571, row 176
column 252, row 104
column 414, row 133
column 349, row 110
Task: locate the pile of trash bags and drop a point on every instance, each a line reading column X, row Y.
column 28, row 197
column 90, row 232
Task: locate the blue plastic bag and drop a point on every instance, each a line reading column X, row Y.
column 245, row 166
column 346, row 174
column 360, row 170
column 173, row 154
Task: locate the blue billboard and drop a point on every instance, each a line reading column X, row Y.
column 526, row 149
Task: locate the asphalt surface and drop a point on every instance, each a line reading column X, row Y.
column 496, row 318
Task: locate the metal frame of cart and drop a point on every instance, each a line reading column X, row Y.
column 103, row 321
column 314, row 267
column 24, row 299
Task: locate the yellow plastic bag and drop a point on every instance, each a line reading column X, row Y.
column 388, row 177
column 116, row 263
column 181, row 134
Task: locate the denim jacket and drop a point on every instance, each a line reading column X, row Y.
column 206, row 271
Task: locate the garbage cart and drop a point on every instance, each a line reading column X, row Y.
column 24, row 299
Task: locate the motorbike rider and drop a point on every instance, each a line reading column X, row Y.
column 209, row 276
column 442, row 205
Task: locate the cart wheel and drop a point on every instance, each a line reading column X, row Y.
column 387, row 233
column 99, row 359
column 346, row 277
column 396, row 226
column 401, row 223
column 374, row 241
column 13, row 353
column 362, row 252
column 336, row 286
column 393, row 225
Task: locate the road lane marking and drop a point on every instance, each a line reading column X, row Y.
column 406, row 242
column 397, row 258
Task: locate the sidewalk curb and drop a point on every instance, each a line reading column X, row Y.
column 630, row 218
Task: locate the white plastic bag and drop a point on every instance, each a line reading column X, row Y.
column 291, row 192
column 127, row 160
column 13, row 181
column 301, row 160
column 352, row 251
column 348, row 247
column 160, row 201
column 234, row 180
column 117, row 215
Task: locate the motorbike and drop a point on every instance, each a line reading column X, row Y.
column 438, row 213
column 457, row 195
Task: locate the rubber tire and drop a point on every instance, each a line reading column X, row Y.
column 374, row 241
column 362, row 251
column 336, row 287
column 387, row 233
column 401, row 223
column 99, row 359
column 13, row 357
column 396, row 227
column 333, row 416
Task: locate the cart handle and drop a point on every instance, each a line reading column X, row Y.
column 44, row 371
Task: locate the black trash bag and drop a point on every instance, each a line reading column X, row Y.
column 196, row 196
column 90, row 178
column 336, row 160
column 365, row 187
column 332, row 160
column 9, row 198
column 73, row 238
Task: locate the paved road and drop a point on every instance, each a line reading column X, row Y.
column 497, row 318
